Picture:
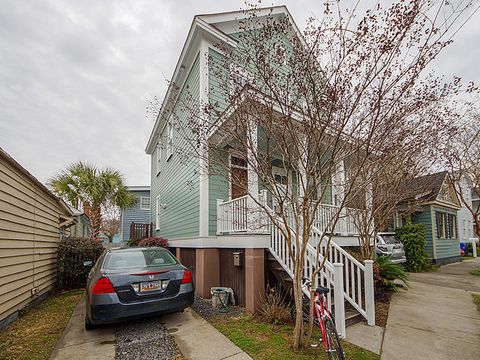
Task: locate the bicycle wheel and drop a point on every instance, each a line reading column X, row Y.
column 334, row 346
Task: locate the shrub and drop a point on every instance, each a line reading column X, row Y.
column 412, row 237
column 72, row 252
column 153, row 241
column 385, row 272
column 274, row 309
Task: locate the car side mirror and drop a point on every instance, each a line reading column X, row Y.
column 88, row 263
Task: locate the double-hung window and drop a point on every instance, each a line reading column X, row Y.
column 446, row 225
column 144, row 203
column 239, row 77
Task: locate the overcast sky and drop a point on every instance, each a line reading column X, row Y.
column 75, row 75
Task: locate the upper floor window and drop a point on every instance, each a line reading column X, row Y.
column 239, row 77
column 280, row 53
column 144, row 203
column 158, row 157
column 169, row 139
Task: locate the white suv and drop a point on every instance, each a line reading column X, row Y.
column 388, row 244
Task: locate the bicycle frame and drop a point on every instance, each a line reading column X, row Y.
column 321, row 311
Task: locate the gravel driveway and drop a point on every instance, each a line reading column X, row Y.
column 146, row 340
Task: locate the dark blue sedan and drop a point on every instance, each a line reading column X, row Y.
column 130, row 283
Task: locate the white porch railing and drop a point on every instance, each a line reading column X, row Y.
column 232, row 215
column 345, row 225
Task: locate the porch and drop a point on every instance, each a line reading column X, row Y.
column 242, row 215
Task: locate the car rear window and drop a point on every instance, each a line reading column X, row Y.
column 139, row 258
column 390, row 239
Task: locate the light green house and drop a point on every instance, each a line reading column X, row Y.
column 436, row 208
column 203, row 213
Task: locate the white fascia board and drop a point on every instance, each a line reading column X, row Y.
column 197, row 25
column 242, row 14
column 223, row 241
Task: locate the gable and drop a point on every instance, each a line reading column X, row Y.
column 447, row 194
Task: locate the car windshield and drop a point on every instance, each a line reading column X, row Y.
column 139, row 259
column 390, row 239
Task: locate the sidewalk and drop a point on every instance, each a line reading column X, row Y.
column 195, row 337
column 198, row 340
column 436, row 318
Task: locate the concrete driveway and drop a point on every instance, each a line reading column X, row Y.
column 196, row 338
column 436, row 318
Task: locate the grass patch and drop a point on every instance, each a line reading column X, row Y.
column 475, row 272
column 476, row 300
column 34, row 335
column 268, row 341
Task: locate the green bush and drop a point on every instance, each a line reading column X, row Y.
column 72, row 252
column 385, row 272
column 412, row 237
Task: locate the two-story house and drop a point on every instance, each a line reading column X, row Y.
column 203, row 215
column 136, row 219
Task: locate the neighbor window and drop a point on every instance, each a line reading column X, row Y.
column 280, row 53
column 144, row 203
column 157, row 212
column 446, row 225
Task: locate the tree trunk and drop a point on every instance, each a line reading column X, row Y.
column 94, row 218
column 298, row 296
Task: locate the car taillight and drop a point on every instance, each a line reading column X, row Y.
column 103, row 286
column 187, row 277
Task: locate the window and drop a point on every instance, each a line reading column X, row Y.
column 157, row 212
column 446, row 225
column 144, row 203
column 239, row 77
column 280, row 53
column 169, row 140
column 159, row 157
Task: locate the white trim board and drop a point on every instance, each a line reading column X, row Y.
column 225, row 241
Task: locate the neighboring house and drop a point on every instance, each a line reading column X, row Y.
column 465, row 218
column 32, row 221
column 138, row 213
column 476, row 205
column 205, row 217
column 432, row 202
column 81, row 228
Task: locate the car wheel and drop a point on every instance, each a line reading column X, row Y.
column 88, row 324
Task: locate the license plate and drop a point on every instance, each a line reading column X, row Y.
column 150, row 286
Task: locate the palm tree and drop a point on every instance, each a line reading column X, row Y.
column 83, row 185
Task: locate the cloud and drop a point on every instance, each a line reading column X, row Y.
column 75, row 76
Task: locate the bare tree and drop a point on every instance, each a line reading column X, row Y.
column 110, row 220
column 462, row 157
column 338, row 107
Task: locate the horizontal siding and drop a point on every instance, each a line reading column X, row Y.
column 218, row 187
column 135, row 214
column 29, row 236
column 177, row 184
column 425, row 219
column 445, row 248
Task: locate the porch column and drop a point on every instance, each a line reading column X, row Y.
column 207, row 271
column 254, row 279
column 253, row 214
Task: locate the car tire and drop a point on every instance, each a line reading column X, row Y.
column 88, row 324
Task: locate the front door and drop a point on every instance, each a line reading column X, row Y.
column 238, row 177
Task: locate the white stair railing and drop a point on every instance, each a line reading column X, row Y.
column 330, row 275
column 345, row 225
column 358, row 285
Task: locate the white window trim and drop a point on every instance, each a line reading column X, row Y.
column 159, row 157
column 169, row 140
column 142, row 207
column 157, row 212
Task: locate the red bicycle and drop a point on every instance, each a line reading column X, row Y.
column 324, row 319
